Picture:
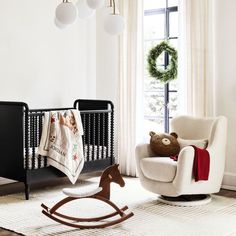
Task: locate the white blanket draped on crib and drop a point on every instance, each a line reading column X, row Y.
column 61, row 142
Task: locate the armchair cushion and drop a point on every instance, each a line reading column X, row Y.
column 159, row 168
column 200, row 143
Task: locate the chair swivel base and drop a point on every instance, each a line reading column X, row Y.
column 186, row 200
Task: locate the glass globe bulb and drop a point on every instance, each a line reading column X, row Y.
column 66, row 13
column 59, row 24
column 84, row 11
column 114, row 24
column 95, row 4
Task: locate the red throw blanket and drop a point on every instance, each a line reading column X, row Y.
column 201, row 165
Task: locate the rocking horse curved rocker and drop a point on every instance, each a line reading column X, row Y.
column 102, row 193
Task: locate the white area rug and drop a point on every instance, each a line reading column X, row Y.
column 151, row 218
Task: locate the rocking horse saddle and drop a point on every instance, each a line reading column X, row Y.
column 81, row 193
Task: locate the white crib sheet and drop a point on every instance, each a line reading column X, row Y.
column 39, row 160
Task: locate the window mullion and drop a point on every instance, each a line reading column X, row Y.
column 166, row 85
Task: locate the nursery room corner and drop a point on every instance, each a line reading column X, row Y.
column 116, row 117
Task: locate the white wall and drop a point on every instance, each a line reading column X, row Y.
column 226, row 81
column 107, row 73
column 107, row 63
column 41, row 64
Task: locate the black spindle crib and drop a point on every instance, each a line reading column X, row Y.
column 20, row 133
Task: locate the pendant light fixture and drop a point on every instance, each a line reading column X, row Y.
column 114, row 23
column 66, row 13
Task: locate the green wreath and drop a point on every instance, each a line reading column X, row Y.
column 170, row 72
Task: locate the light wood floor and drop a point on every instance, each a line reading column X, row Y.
column 17, row 187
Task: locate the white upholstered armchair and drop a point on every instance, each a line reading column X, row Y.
column 166, row 177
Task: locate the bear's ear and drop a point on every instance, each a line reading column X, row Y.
column 174, row 134
column 151, row 133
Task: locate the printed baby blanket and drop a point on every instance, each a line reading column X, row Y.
column 61, row 142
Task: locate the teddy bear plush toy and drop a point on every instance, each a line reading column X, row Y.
column 164, row 145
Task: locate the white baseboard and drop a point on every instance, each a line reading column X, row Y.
column 229, row 181
column 233, row 188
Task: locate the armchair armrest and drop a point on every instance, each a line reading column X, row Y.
column 184, row 175
column 141, row 151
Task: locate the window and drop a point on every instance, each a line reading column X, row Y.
column 161, row 100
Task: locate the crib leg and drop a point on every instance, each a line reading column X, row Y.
column 27, row 190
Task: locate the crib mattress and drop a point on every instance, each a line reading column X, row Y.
column 38, row 161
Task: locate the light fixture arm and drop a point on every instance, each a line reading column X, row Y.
column 114, row 7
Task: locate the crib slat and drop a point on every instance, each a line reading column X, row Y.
column 34, row 133
column 31, row 141
column 108, row 136
column 103, row 134
column 98, row 137
column 84, row 137
column 89, row 136
column 93, row 136
column 112, row 154
column 40, row 128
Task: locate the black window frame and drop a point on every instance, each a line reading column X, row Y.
column 166, row 11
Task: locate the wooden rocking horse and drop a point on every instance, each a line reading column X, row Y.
column 102, row 193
